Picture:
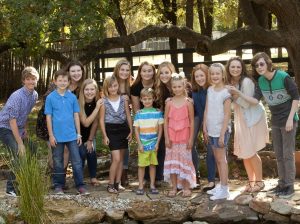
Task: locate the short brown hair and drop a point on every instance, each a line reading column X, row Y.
column 258, row 56
column 61, row 72
column 29, row 71
column 147, row 92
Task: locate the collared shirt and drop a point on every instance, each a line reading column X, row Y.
column 18, row 106
column 62, row 109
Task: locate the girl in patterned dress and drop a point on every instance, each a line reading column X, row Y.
column 179, row 129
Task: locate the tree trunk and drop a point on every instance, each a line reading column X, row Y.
column 188, row 57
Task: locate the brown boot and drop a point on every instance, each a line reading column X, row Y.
column 124, row 178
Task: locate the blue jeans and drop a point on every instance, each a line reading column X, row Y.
column 8, row 139
column 91, row 158
column 58, row 164
column 210, row 164
column 195, row 154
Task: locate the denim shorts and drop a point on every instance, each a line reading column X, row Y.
column 214, row 141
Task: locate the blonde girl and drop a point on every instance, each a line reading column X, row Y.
column 116, row 127
column 162, row 85
column 162, row 88
column 89, row 104
column 216, row 126
column 199, row 81
column 122, row 72
column 179, row 130
column 145, row 79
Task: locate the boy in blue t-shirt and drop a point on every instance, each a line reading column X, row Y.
column 62, row 113
column 148, row 124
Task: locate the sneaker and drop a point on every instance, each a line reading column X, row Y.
column 276, row 190
column 287, row 192
column 214, row 190
column 11, row 194
column 222, row 193
column 58, row 191
column 83, row 191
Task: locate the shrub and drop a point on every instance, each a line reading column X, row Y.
column 32, row 185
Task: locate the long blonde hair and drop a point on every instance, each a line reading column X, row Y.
column 160, row 88
column 81, row 94
column 116, row 74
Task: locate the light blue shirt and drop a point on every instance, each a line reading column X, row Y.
column 62, row 109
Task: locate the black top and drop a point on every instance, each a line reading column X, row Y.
column 135, row 90
column 85, row 131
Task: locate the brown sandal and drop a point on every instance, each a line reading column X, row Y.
column 258, row 186
column 248, row 187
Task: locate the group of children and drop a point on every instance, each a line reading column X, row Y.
column 168, row 117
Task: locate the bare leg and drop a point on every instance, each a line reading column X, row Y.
column 152, row 171
column 249, row 169
column 115, row 154
column 141, row 174
column 221, row 160
column 257, row 167
column 120, row 166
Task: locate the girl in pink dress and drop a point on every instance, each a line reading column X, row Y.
column 179, row 129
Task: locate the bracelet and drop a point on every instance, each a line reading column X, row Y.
column 79, row 135
column 90, row 140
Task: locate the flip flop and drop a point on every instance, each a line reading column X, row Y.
column 153, row 191
column 139, row 192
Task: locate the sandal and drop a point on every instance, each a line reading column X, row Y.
column 111, row 189
column 139, row 192
column 172, row 194
column 95, row 183
column 209, row 186
column 248, row 187
column 186, row 193
column 258, row 186
column 153, row 191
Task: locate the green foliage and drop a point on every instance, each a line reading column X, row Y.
column 35, row 23
column 32, row 185
column 225, row 14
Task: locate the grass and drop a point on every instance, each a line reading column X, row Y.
column 32, row 186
